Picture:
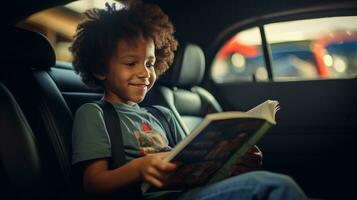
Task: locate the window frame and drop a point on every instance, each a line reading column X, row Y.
column 348, row 9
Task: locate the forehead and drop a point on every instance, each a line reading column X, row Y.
column 135, row 44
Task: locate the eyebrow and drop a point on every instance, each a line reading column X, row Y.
column 128, row 56
column 135, row 56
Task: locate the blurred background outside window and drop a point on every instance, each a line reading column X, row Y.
column 323, row 48
column 59, row 24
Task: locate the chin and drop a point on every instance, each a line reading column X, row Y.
column 138, row 99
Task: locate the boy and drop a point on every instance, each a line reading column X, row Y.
column 123, row 51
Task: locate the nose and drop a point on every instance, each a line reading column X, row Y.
column 144, row 72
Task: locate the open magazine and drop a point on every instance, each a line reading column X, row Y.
column 206, row 155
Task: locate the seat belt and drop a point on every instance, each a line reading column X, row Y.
column 112, row 124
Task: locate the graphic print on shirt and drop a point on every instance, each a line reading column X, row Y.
column 150, row 141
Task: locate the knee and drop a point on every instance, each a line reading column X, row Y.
column 279, row 178
column 278, row 183
column 259, row 185
column 274, row 179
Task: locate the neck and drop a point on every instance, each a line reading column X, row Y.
column 110, row 97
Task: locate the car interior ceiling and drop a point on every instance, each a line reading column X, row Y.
column 38, row 104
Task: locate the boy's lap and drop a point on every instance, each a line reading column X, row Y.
column 243, row 186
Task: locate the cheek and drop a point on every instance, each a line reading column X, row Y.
column 152, row 79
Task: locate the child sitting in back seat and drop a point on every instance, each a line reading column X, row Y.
column 123, row 51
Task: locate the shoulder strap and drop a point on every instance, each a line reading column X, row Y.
column 164, row 122
column 112, row 124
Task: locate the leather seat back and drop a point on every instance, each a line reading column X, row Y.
column 21, row 167
column 179, row 88
column 29, row 59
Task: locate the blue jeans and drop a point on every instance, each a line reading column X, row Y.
column 252, row 185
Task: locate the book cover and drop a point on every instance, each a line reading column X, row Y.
column 207, row 153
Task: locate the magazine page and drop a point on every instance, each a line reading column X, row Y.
column 266, row 110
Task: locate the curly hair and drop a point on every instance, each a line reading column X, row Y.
column 96, row 38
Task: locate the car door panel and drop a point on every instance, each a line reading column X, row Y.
column 316, row 129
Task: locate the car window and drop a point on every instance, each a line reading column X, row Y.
column 309, row 49
column 240, row 58
column 59, row 24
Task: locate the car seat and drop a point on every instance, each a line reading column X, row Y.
column 29, row 57
column 179, row 90
column 20, row 164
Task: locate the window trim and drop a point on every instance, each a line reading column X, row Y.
column 331, row 10
column 266, row 53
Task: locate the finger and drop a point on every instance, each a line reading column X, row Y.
column 250, row 162
column 154, row 182
column 165, row 166
column 152, row 171
column 257, row 148
column 162, row 155
column 252, row 157
column 253, row 149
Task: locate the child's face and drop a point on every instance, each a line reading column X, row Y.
column 130, row 73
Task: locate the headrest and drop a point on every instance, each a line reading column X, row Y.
column 25, row 48
column 187, row 69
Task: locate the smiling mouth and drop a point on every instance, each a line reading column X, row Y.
column 141, row 86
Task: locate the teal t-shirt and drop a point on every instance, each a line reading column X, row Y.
column 142, row 133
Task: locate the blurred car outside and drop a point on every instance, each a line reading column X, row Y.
column 330, row 55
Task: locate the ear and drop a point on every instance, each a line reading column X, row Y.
column 101, row 77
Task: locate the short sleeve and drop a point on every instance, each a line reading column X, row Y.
column 90, row 139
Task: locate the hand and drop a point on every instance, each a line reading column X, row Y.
column 154, row 170
column 251, row 161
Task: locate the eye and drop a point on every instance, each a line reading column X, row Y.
column 150, row 65
column 130, row 64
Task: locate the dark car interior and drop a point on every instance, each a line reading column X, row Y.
column 313, row 141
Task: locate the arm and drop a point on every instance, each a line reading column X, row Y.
column 90, row 144
column 98, row 178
